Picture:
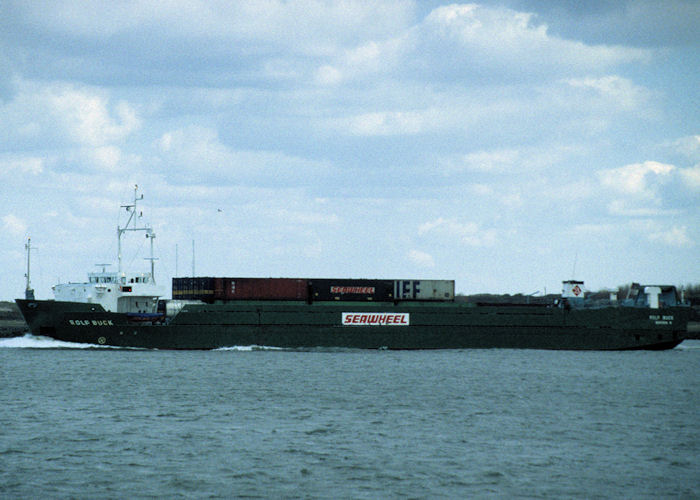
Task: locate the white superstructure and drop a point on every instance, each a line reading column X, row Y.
column 119, row 291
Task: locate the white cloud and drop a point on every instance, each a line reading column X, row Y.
column 497, row 160
column 592, row 230
column 14, row 225
column 482, row 37
column 677, row 236
column 617, row 91
column 509, row 161
column 473, row 42
column 633, row 208
column 288, row 216
column 639, row 179
column 469, row 233
column 108, row 157
column 197, row 153
column 87, row 118
column 391, row 122
column 691, row 177
column 47, row 113
column 689, row 146
column 310, row 26
column 328, row 75
column 421, row 259
column 18, row 166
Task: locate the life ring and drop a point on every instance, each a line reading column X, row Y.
column 101, row 340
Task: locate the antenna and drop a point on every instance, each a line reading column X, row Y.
column 131, row 209
column 103, row 266
column 193, row 259
column 28, row 292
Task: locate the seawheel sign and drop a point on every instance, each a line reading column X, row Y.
column 375, row 319
column 576, row 290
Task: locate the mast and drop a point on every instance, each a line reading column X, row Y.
column 121, row 230
column 28, row 292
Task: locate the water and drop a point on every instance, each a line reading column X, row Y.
column 89, row 422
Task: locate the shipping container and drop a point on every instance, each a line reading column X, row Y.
column 197, row 288
column 210, row 289
column 351, row 289
column 264, row 289
column 424, row 289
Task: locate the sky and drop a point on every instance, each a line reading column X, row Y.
column 507, row 145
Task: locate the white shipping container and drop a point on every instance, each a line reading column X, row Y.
column 424, row 289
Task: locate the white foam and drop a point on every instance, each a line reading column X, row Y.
column 248, row 348
column 689, row 344
column 30, row 341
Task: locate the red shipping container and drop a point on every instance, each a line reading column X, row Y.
column 219, row 289
column 265, row 289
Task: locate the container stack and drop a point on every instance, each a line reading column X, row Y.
column 208, row 289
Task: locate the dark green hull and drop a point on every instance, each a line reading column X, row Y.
column 416, row 325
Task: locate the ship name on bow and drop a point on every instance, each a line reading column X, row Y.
column 90, row 322
column 661, row 320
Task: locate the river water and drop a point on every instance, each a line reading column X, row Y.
column 96, row 422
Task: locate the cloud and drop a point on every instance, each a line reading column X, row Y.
column 392, row 122
column 507, row 160
column 677, row 236
column 421, row 259
column 639, row 23
column 650, row 189
column 109, row 158
column 195, row 40
column 640, row 179
column 304, row 218
column 197, row 154
column 14, row 225
column 245, row 19
column 53, row 114
column 691, row 177
column 615, row 90
column 479, row 40
column 86, row 117
column 469, row 233
column 328, row 75
column 14, row 166
column 480, row 44
column 689, row 146
column 631, row 208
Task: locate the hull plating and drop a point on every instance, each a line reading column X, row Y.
column 377, row 326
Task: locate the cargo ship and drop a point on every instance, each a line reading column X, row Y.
column 126, row 309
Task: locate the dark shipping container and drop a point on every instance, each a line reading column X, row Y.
column 351, row 289
column 197, row 288
column 264, row 289
column 210, row 289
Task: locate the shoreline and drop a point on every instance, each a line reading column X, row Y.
column 12, row 323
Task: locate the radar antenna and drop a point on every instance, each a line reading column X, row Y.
column 131, row 209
